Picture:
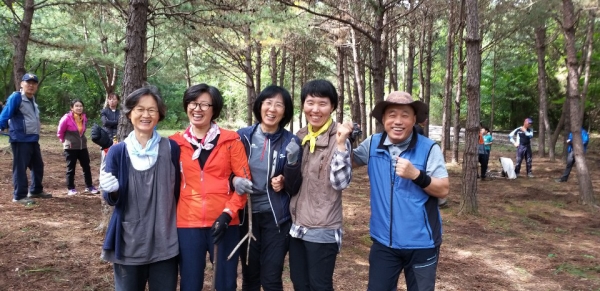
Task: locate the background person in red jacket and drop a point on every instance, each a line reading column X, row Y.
column 207, row 208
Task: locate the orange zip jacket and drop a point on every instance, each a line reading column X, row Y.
column 205, row 193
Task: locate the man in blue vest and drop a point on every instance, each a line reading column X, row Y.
column 408, row 175
column 22, row 116
column 571, row 155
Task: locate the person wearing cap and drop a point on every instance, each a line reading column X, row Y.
column 22, row 116
column 408, row 175
column 521, row 139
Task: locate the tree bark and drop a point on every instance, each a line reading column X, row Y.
column 340, row 68
column 273, row 65
column 448, row 80
column 585, row 183
column 468, row 203
column 428, row 66
column 359, row 81
column 457, row 99
column 250, row 89
column 282, row 67
column 134, row 71
column 21, row 42
column 410, row 62
column 293, row 91
column 588, row 58
column 540, row 48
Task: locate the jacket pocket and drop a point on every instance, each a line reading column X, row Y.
column 134, row 239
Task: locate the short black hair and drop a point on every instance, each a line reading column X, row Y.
column 75, row 101
column 192, row 93
column 320, row 88
column 270, row 92
column 133, row 99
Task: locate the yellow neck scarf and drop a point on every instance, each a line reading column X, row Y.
column 312, row 136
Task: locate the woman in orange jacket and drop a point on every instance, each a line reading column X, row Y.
column 207, row 208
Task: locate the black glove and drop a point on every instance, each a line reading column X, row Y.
column 219, row 227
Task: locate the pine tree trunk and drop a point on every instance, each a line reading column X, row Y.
column 250, row 90
column 583, row 175
column 293, row 91
column 273, row 65
column 448, row 79
column 457, row 98
column 340, row 68
column 468, row 203
column 282, row 67
column 588, row 58
column 21, row 42
column 428, row 66
column 544, row 123
column 361, row 113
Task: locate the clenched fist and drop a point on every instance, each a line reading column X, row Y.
column 405, row 169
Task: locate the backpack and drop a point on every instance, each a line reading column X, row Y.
column 100, row 136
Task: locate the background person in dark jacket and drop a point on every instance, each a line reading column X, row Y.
column 521, row 139
column 110, row 114
column 274, row 158
column 22, row 113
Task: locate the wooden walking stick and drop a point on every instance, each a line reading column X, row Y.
column 249, row 236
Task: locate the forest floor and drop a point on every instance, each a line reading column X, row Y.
column 531, row 233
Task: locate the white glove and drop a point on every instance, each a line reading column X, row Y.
column 242, row 185
column 108, row 182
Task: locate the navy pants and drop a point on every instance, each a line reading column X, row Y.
column 194, row 244
column 160, row 276
column 570, row 163
column 83, row 156
column 484, row 160
column 385, row 265
column 312, row 264
column 523, row 152
column 267, row 253
column 27, row 155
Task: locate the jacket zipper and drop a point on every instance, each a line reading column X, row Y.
column 391, row 202
column 320, row 166
column 182, row 174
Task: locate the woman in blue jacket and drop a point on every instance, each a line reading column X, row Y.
column 274, row 158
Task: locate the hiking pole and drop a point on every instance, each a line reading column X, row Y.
column 214, row 280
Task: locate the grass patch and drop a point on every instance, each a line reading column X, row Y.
column 40, row 270
column 578, row 271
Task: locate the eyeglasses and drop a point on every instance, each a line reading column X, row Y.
column 203, row 106
column 269, row 104
column 141, row 110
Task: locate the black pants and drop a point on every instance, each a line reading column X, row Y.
column 523, row 152
column 570, row 163
column 385, row 265
column 72, row 156
column 484, row 160
column 312, row 264
column 27, row 155
column 160, row 276
column 267, row 253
